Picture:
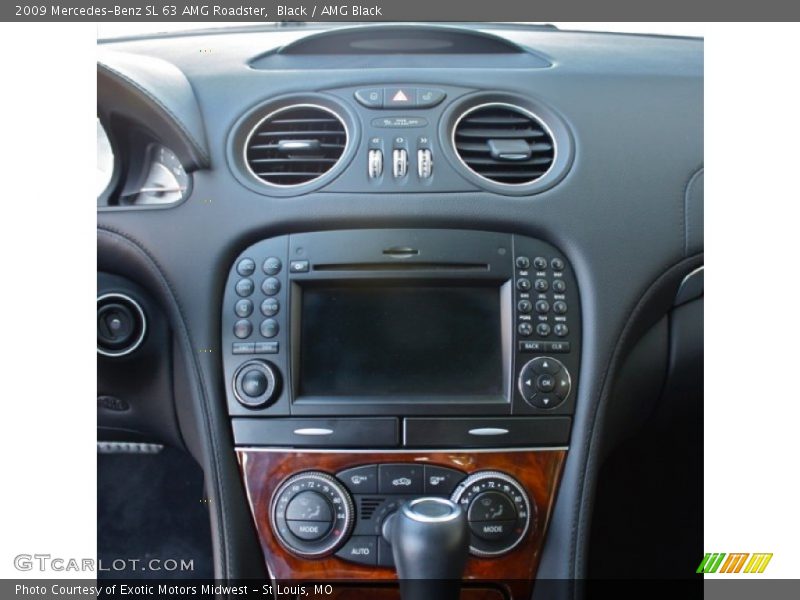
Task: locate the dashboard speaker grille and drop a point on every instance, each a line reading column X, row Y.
column 504, row 143
column 295, row 145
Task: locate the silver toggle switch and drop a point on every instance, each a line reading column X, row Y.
column 399, row 162
column 375, row 164
column 424, row 163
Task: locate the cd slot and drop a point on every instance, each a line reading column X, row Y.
column 415, row 266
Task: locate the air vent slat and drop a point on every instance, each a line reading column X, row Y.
column 491, row 141
column 490, row 133
column 256, row 147
column 298, row 132
column 295, row 145
column 293, row 160
column 520, row 163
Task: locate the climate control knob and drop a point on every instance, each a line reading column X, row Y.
column 498, row 512
column 312, row 514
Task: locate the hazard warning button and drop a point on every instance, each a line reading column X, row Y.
column 397, row 97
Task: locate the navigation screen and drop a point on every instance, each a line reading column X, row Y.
column 394, row 340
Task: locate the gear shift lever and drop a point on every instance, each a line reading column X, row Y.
column 430, row 543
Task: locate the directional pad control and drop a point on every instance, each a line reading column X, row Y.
column 544, row 382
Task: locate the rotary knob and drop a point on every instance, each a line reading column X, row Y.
column 312, row 514
column 256, row 384
column 498, row 512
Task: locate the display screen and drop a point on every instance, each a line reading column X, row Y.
column 400, row 340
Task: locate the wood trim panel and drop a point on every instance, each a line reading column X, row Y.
column 538, row 471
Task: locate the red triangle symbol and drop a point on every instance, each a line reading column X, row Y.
column 400, row 97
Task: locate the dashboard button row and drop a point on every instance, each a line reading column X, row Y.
column 399, row 97
column 532, row 346
column 255, row 348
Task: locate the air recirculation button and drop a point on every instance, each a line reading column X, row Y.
column 121, row 325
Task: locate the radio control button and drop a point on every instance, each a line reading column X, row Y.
column 543, row 329
column 271, row 286
column 254, row 383
column 246, row 267
column 523, row 262
column 558, row 347
column 545, row 383
column 563, row 384
column 523, row 284
column 244, row 287
column 540, row 263
column 242, row 329
column 525, row 329
column 243, row 348
column 559, row 286
column 269, row 328
column 560, row 329
column 524, row 306
column 272, row 266
column 266, row 347
column 270, row 307
column 243, row 308
column 299, row 266
column 542, row 307
column 545, row 365
column 532, row 346
column 541, row 285
column 544, row 400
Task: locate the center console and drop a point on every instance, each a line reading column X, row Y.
column 367, row 369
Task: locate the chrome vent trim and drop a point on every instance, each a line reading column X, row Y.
column 295, row 145
column 478, row 124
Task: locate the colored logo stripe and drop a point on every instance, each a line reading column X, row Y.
column 758, row 563
column 710, row 563
column 713, row 562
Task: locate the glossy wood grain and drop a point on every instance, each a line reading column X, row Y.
column 538, row 471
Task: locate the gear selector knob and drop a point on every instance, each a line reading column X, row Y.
column 430, row 543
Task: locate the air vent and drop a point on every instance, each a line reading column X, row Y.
column 504, row 143
column 295, row 145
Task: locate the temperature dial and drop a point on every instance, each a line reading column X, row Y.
column 312, row 514
column 498, row 512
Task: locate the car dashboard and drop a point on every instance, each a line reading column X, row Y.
column 346, row 268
